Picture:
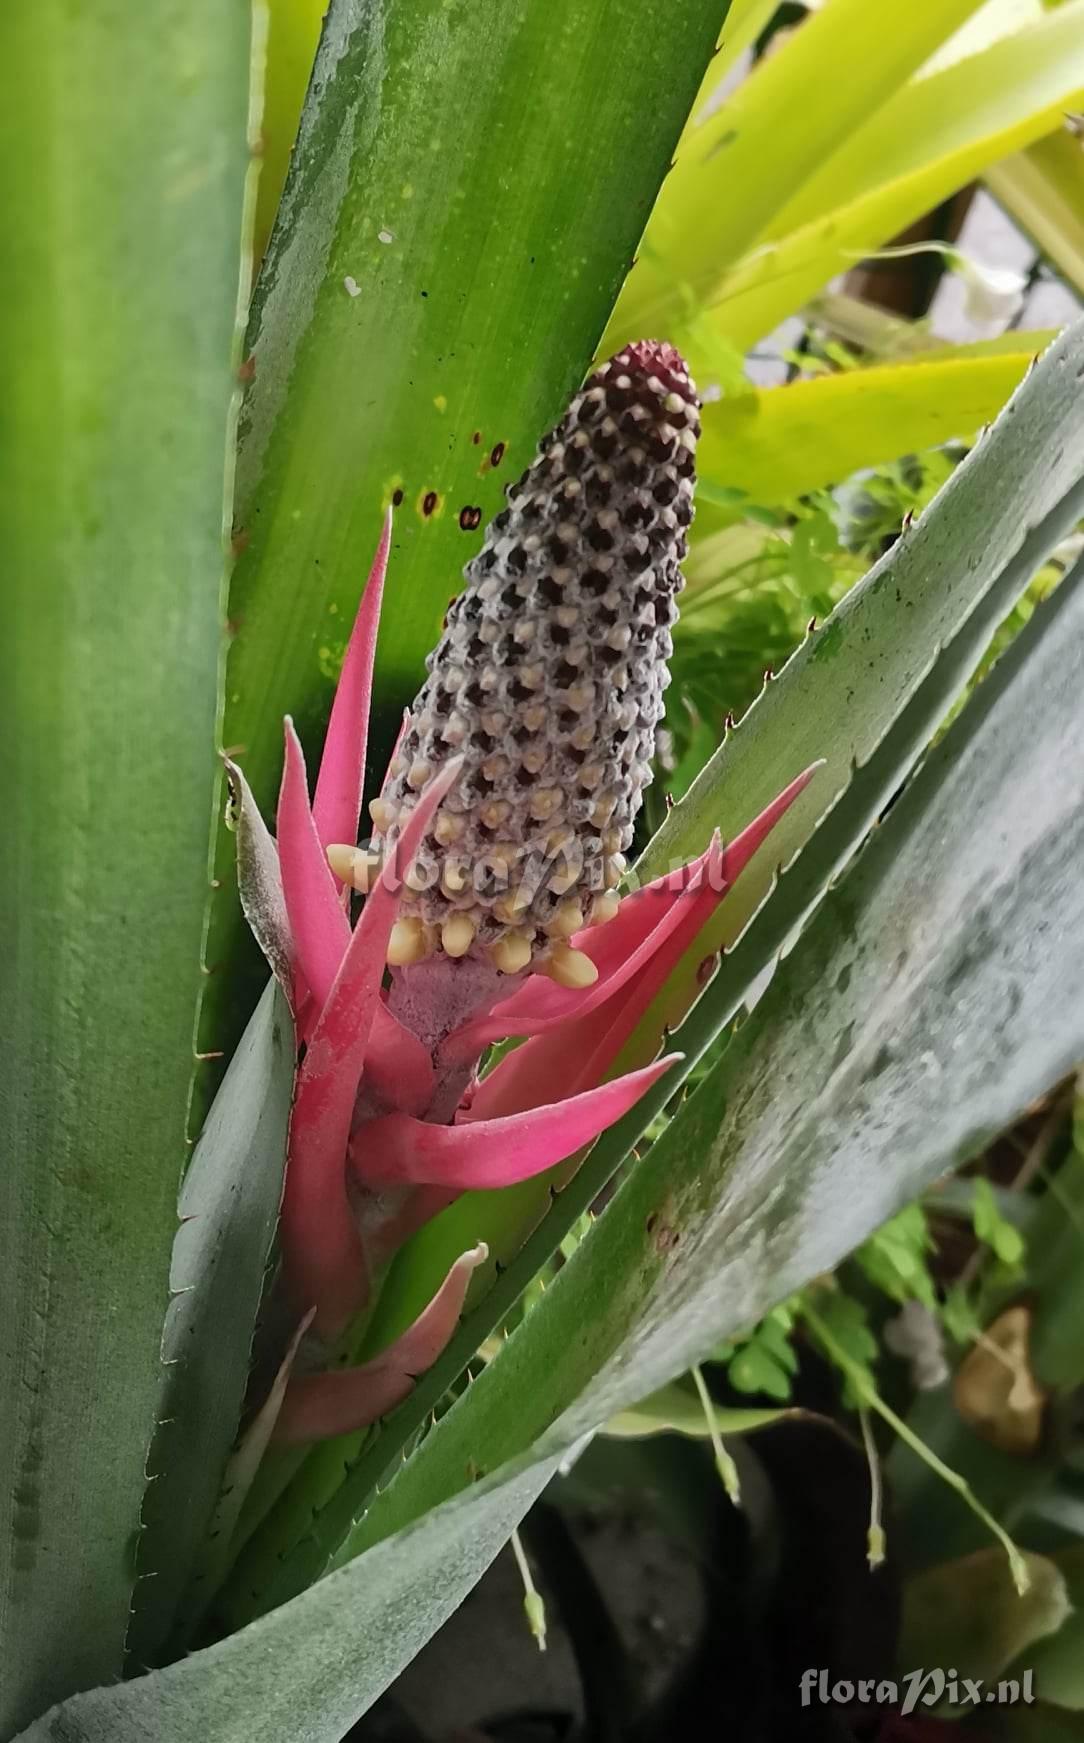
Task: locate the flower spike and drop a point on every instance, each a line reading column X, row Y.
column 550, row 673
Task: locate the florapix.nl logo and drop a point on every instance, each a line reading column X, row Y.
column 936, row 1687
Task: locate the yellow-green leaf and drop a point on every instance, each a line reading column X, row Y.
column 1042, row 188
column 740, row 167
column 293, row 31
column 936, row 115
column 783, row 441
column 1004, row 99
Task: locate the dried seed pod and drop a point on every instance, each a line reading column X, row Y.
column 550, row 672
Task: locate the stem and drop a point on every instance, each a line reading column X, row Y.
column 724, row 1464
column 867, row 1392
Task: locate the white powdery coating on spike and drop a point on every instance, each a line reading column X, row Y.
column 550, row 673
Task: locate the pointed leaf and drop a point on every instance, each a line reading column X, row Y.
column 124, row 157
column 228, row 1208
column 953, row 125
column 740, row 167
column 309, row 1672
column 213, row 1559
column 780, row 442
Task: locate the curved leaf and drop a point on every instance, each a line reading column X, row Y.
column 123, row 140
column 308, row 1673
column 738, row 169
column 780, row 442
column 954, row 128
column 228, row 1209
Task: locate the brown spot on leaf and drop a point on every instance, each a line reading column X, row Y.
column 660, row 1226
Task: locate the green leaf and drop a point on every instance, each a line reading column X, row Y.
column 486, row 240
column 306, row 1673
column 781, row 442
column 744, row 23
column 228, row 1208
column 961, row 106
column 846, row 1322
column 738, row 169
column 293, row 33
column 894, row 1258
column 673, row 1409
column 123, row 141
column 968, row 1614
column 1042, row 188
column 938, row 135
column 991, row 1227
column 1058, row 1662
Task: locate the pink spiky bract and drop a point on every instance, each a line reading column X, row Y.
column 318, row 922
column 582, row 1049
column 482, row 1154
column 336, row 807
column 319, row 1405
column 322, row 1251
column 619, row 950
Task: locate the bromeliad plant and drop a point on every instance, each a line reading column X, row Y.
column 491, row 890
column 439, row 277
